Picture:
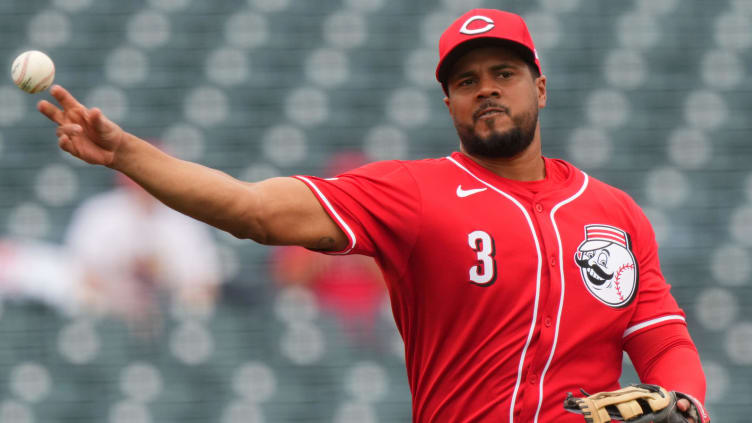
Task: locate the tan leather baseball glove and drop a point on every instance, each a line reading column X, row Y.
column 641, row 403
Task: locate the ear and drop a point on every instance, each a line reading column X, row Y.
column 540, row 86
column 448, row 104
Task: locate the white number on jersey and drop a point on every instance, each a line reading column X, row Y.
column 484, row 272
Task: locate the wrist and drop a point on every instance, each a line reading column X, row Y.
column 126, row 148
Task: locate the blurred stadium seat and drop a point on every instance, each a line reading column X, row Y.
column 648, row 95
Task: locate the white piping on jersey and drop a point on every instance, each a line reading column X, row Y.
column 561, row 298
column 537, row 281
column 645, row 324
column 349, row 231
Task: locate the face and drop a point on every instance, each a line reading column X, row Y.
column 610, row 273
column 493, row 99
column 595, row 265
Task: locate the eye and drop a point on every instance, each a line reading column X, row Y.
column 603, row 259
column 505, row 74
column 465, row 82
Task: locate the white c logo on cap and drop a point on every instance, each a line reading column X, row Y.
column 486, row 28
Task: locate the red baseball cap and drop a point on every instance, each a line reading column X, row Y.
column 481, row 27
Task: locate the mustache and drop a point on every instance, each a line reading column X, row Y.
column 584, row 263
column 489, row 105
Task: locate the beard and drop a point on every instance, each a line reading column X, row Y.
column 499, row 144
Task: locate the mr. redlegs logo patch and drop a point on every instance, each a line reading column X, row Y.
column 607, row 265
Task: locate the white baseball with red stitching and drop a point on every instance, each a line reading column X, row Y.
column 33, row 71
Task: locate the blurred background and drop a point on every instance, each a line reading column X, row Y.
column 114, row 309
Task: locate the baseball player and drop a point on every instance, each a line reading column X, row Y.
column 514, row 278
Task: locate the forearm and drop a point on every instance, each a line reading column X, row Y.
column 198, row 191
column 666, row 356
column 281, row 211
column 679, row 369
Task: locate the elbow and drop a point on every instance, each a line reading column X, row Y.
column 261, row 217
column 252, row 223
column 240, row 233
column 250, row 229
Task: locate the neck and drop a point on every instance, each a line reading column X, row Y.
column 526, row 166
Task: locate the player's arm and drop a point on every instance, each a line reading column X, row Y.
column 278, row 211
column 666, row 356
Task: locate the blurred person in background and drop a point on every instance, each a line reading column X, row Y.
column 136, row 252
column 34, row 271
column 350, row 288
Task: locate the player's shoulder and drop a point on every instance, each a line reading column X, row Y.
column 386, row 168
column 610, row 193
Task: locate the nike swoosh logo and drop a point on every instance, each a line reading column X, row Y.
column 462, row 193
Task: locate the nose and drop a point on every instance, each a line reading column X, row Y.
column 487, row 87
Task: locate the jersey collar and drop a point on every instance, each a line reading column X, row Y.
column 561, row 178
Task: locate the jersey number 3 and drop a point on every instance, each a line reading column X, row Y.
column 484, row 271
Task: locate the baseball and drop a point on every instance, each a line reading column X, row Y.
column 33, row 71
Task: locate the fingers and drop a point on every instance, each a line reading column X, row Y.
column 64, row 143
column 97, row 119
column 79, row 114
column 50, row 111
column 65, row 133
column 70, row 106
column 65, row 136
column 683, row 405
column 70, row 130
column 64, row 97
column 53, row 113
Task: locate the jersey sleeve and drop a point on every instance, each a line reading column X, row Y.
column 377, row 206
column 655, row 304
column 666, row 356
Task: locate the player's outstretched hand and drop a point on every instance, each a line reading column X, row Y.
column 85, row 133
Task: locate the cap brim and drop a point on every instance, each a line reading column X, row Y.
column 445, row 67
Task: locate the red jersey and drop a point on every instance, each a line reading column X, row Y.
column 507, row 294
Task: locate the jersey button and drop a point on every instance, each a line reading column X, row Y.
column 539, row 207
column 547, row 322
column 533, row 379
column 553, row 261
